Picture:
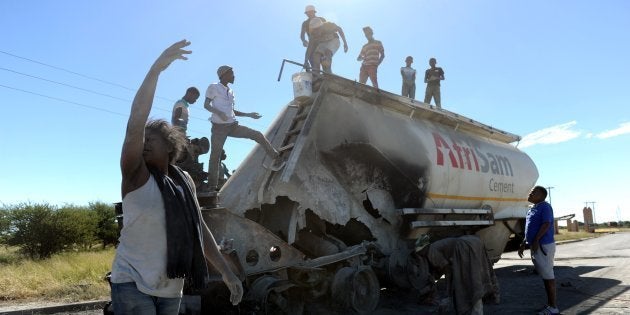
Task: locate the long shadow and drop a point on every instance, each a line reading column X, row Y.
column 522, row 291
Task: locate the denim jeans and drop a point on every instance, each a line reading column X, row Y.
column 127, row 299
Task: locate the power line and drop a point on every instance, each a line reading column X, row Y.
column 89, row 106
column 76, row 73
column 87, row 90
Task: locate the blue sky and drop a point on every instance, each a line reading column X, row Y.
column 555, row 72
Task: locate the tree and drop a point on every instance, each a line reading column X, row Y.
column 107, row 228
column 35, row 230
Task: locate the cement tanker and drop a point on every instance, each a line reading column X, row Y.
column 366, row 174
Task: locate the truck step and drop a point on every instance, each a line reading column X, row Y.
column 406, row 211
column 423, row 224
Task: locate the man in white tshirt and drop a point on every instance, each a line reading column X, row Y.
column 220, row 102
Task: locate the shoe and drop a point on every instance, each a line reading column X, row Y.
column 548, row 310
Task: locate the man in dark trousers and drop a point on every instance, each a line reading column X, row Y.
column 539, row 230
column 432, row 78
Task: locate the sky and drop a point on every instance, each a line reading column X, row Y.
column 556, row 73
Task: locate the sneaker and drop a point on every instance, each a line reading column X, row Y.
column 548, row 310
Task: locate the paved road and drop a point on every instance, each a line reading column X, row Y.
column 593, row 277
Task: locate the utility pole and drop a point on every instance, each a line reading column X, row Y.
column 549, row 192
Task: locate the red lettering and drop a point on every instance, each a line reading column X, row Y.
column 440, row 144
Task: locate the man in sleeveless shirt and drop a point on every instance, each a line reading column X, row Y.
column 164, row 239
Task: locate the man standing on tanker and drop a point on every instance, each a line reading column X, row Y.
column 220, row 102
column 164, row 239
column 539, row 231
column 179, row 117
column 310, row 14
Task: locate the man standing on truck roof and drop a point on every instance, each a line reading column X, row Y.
column 179, row 117
column 409, row 79
column 372, row 54
column 324, row 44
column 432, row 78
column 220, row 102
column 310, row 13
column 539, row 231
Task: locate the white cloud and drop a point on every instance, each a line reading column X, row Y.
column 621, row 130
column 551, row 135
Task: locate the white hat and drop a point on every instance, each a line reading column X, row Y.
column 315, row 23
column 309, row 7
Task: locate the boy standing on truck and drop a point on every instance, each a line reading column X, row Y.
column 371, row 55
column 409, row 79
column 432, row 78
column 180, row 109
column 220, row 102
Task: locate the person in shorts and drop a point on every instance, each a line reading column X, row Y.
column 539, row 231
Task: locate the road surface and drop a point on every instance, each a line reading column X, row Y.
column 592, row 276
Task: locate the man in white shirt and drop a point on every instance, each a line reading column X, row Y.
column 220, row 102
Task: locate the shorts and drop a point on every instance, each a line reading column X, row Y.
column 544, row 263
column 329, row 45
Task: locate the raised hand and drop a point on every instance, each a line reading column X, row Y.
column 171, row 53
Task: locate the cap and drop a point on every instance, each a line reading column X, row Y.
column 223, row 69
column 315, row 23
column 309, row 7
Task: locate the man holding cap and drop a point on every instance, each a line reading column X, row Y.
column 310, row 13
column 220, row 102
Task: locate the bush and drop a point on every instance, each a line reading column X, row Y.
column 41, row 230
column 107, row 227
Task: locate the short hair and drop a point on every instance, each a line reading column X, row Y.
column 171, row 134
column 368, row 29
column 409, row 57
column 542, row 190
column 432, row 59
column 192, row 89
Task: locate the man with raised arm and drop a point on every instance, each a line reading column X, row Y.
column 164, row 240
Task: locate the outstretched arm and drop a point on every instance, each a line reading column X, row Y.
column 216, row 259
column 134, row 171
column 254, row 115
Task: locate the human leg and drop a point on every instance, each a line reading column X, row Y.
column 437, row 97
column 217, row 140
column 248, row 133
column 407, row 89
column 372, row 72
column 167, row 306
column 363, row 75
column 427, row 95
column 412, row 91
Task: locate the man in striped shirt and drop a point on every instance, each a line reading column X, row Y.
column 372, row 54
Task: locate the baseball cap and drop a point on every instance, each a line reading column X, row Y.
column 309, row 7
column 223, row 69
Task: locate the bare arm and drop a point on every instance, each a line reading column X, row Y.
column 382, row 54
column 134, row 171
column 208, row 105
column 343, row 37
column 214, row 257
column 303, row 36
column 254, row 115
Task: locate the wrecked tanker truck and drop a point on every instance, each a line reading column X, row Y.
column 366, row 174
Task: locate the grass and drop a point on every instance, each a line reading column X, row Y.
column 566, row 236
column 66, row 277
